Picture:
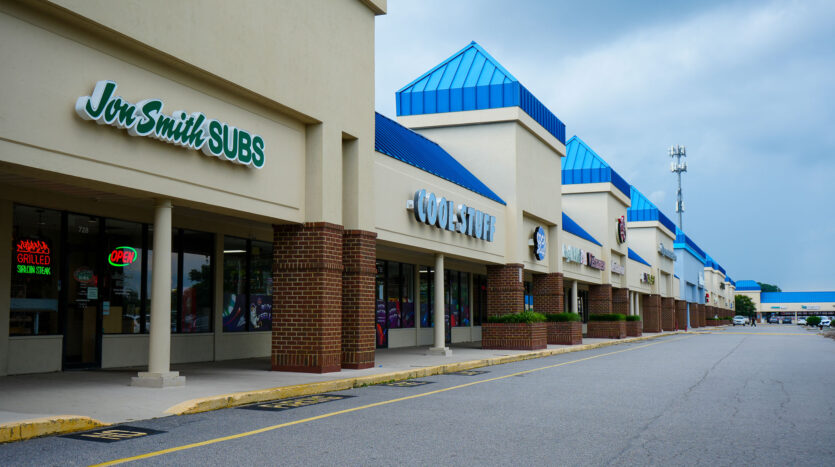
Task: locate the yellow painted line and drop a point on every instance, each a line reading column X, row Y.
column 225, row 401
column 33, row 428
column 363, row 407
column 762, row 333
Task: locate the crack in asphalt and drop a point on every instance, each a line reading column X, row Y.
column 632, row 441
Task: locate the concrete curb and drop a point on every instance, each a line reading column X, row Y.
column 223, row 401
column 33, row 428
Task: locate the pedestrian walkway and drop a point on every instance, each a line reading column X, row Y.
column 106, row 397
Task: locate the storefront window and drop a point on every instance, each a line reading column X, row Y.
column 121, row 286
column 234, row 284
column 479, row 299
column 407, row 296
column 393, row 294
column 380, row 326
column 464, row 289
column 261, row 286
column 196, row 285
column 426, row 296
column 36, row 257
column 528, row 296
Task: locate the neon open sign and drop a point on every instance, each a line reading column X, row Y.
column 122, row 256
column 33, row 257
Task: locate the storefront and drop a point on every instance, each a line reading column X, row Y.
column 471, row 106
column 651, row 236
column 690, row 261
column 582, row 267
column 144, row 235
column 433, row 215
column 597, row 197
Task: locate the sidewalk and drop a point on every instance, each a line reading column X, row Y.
column 36, row 405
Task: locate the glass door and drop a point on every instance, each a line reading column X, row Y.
column 82, row 319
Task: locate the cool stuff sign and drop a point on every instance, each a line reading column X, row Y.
column 193, row 131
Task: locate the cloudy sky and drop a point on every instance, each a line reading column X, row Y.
column 747, row 86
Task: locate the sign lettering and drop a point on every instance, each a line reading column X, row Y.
column 539, row 243
column 191, row 131
column 33, row 257
column 665, row 252
column 442, row 213
column 617, row 268
column 122, row 256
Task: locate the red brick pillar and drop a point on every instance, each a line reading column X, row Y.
column 548, row 293
column 702, row 315
column 694, row 315
column 620, row 300
column 359, row 253
column 652, row 313
column 600, row 299
column 307, row 297
column 668, row 314
column 681, row 314
column 505, row 290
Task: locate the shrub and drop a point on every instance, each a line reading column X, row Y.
column 714, row 319
column 633, row 318
column 562, row 317
column 813, row 320
column 607, row 317
column 523, row 317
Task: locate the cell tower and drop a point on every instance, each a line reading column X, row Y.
column 677, row 167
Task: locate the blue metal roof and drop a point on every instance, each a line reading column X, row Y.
column 711, row 263
column 747, row 285
column 797, row 297
column 403, row 144
column 642, row 209
column 635, row 257
column 471, row 79
column 582, row 165
column 572, row 227
column 683, row 241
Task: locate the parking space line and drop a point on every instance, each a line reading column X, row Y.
column 364, row 407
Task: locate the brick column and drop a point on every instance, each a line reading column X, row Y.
column 652, row 313
column 548, row 293
column 359, row 253
column 668, row 314
column 600, row 299
column 620, row 300
column 694, row 315
column 681, row 314
column 505, row 290
column 702, row 315
column 307, row 297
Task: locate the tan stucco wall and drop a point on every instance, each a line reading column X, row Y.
column 396, row 182
column 279, row 83
column 576, row 271
column 596, row 207
column 517, row 159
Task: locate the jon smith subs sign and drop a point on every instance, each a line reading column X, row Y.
column 192, row 131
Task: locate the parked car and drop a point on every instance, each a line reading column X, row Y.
column 773, row 320
column 801, row 321
column 787, row 320
column 739, row 320
column 826, row 321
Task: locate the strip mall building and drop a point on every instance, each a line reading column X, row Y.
column 165, row 203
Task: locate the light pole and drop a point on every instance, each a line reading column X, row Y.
column 677, row 167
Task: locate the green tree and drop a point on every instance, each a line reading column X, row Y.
column 813, row 320
column 744, row 305
column 769, row 287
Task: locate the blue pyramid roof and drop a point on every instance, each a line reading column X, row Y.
column 747, row 285
column 582, row 165
column 642, row 209
column 572, row 227
column 403, row 144
column 471, row 79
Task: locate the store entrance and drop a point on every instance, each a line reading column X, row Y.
column 82, row 318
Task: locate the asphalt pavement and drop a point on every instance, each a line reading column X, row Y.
column 750, row 396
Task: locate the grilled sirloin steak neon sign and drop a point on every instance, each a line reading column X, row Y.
column 192, row 131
